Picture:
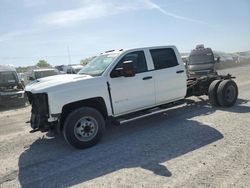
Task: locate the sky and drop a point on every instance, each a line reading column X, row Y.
column 64, row 32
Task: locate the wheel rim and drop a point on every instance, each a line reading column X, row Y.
column 230, row 94
column 86, row 128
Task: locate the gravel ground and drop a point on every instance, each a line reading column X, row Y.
column 191, row 145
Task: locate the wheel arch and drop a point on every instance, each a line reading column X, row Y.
column 97, row 102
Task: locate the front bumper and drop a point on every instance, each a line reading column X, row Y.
column 39, row 112
column 12, row 98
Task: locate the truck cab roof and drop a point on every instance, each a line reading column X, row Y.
column 119, row 51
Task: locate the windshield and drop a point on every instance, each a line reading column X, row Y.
column 7, row 78
column 42, row 74
column 201, row 59
column 98, row 65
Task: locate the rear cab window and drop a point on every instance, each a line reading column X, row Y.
column 163, row 58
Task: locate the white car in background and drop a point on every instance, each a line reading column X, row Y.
column 42, row 73
column 69, row 69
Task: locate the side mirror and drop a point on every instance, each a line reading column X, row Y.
column 128, row 69
column 117, row 73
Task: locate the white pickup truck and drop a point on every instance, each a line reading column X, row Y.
column 115, row 86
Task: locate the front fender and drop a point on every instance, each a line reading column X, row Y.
column 60, row 98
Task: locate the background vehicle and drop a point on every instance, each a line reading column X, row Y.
column 119, row 86
column 201, row 62
column 11, row 88
column 41, row 73
column 69, row 69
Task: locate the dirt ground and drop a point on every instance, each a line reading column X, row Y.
column 191, row 145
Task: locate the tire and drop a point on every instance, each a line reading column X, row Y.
column 227, row 93
column 212, row 93
column 84, row 127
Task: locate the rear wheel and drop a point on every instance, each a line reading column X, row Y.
column 84, row 127
column 212, row 93
column 227, row 93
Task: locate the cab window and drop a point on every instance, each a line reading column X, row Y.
column 139, row 61
column 163, row 58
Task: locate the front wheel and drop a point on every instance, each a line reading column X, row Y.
column 84, row 127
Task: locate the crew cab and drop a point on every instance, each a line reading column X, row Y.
column 117, row 86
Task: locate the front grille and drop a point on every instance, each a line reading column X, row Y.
column 39, row 103
column 40, row 111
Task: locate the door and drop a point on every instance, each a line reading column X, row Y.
column 132, row 93
column 169, row 75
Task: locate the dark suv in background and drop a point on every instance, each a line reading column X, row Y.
column 11, row 88
column 201, row 62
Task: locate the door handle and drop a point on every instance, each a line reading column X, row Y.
column 179, row 71
column 147, row 78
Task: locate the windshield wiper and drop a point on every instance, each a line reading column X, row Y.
column 82, row 74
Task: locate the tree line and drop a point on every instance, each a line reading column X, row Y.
column 44, row 64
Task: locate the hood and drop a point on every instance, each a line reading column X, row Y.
column 43, row 84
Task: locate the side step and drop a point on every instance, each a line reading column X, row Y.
column 145, row 113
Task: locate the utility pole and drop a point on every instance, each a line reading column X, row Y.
column 69, row 54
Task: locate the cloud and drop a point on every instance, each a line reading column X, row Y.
column 160, row 9
column 92, row 10
column 96, row 9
